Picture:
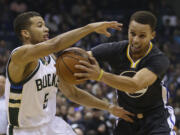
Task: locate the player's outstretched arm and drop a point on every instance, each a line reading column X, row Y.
column 142, row 79
column 82, row 97
column 28, row 53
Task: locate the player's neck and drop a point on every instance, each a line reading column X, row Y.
column 26, row 42
column 137, row 56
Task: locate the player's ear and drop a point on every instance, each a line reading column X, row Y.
column 153, row 35
column 25, row 34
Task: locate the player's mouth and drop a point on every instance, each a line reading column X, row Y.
column 135, row 47
column 46, row 36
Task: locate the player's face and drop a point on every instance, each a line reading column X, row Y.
column 139, row 37
column 38, row 30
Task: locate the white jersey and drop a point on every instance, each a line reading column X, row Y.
column 32, row 102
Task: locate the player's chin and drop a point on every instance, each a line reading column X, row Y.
column 136, row 50
column 45, row 39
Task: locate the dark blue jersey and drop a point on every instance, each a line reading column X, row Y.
column 116, row 54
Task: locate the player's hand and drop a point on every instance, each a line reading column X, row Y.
column 101, row 27
column 90, row 71
column 121, row 113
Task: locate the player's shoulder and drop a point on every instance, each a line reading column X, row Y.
column 113, row 46
column 157, row 52
column 15, row 49
column 157, row 55
column 19, row 50
column 120, row 44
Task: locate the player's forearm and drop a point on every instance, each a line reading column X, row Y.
column 122, row 83
column 84, row 98
column 67, row 39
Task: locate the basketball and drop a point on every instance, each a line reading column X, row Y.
column 66, row 61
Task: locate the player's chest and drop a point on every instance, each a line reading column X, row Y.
column 122, row 63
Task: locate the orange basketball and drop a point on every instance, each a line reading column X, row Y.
column 65, row 63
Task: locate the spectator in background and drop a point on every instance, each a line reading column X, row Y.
column 3, row 115
column 78, row 131
column 4, row 54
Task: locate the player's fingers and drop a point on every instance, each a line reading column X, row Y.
column 106, row 33
column 78, row 79
column 85, row 63
column 129, row 113
column 117, row 28
column 93, row 60
column 110, row 23
column 81, row 75
column 115, row 23
column 127, row 118
column 82, row 67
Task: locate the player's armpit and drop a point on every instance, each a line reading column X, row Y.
column 144, row 78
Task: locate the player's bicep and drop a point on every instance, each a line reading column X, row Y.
column 145, row 78
column 28, row 53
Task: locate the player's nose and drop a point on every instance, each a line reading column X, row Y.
column 46, row 29
column 136, row 39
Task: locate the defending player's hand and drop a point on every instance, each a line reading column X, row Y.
column 101, row 27
column 91, row 71
column 121, row 113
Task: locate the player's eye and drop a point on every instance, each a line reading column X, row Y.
column 133, row 34
column 142, row 36
column 39, row 24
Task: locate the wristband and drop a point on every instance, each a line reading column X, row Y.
column 100, row 75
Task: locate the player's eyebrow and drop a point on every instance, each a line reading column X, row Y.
column 142, row 32
column 40, row 22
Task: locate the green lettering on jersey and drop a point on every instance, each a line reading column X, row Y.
column 39, row 84
column 46, row 81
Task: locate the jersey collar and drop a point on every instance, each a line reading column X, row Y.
column 134, row 64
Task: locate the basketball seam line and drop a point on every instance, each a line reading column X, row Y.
column 66, row 65
column 71, row 57
column 76, row 52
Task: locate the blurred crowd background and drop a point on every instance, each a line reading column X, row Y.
column 64, row 15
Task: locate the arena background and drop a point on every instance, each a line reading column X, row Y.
column 64, row 15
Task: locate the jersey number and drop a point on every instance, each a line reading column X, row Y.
column 45, row 101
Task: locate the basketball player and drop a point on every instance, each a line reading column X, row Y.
column 31, row 83
column 138, row 68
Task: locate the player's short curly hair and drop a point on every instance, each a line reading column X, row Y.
column 22, row 21
column 145, row 17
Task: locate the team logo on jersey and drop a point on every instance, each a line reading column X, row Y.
column 47, row 80
column 138, row 93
